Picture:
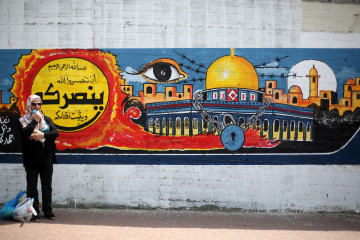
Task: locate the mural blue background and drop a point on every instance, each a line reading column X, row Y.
column 343, row 62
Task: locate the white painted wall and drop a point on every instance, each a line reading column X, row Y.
column 257, row 188
column 186, row 23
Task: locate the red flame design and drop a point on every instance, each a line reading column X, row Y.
column 115, row 128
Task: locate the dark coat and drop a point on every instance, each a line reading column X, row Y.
column 36, row 153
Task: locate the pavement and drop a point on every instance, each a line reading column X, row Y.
column 76, row 224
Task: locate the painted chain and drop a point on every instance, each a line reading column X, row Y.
column 219, row 126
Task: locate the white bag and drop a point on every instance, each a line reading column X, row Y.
column 24, row 211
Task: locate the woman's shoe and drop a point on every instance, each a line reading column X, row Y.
column 50, row 216
column 35, row 218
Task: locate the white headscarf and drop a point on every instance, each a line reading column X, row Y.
column 28, row 117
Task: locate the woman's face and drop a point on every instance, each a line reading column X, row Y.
column 36, row 105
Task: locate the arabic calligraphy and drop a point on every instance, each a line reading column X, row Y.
column 76, row 98
column 48, row 93
column 66, row 66
column 81, row 98
column 74, row 91
column 77, row 115
column 5, row 131
column 85, row 79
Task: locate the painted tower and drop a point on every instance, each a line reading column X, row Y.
column 314, row 79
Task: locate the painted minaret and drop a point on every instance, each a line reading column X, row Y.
column 314, row 80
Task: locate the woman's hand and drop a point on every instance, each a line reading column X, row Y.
column 36, row 135
column 37, row 116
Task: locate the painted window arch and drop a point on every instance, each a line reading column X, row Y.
column 301, row 126
column 308, row 131
column 301, row 135
column 215, row 124
column 186, row 126
column 285, row 128
column 195, row 123
column 195, row 126
column 157, row 125
column 149, row 90
column 243, row 96
column 178, row 126
column 292, row 126
column 178, row 123
column 277, row 125
column 285, row 125
column 276, row 129
column 241, row 121
column 277, row 95
column 228, row 120
column 186, row 123
column 292, row 130
column 151, row 122
column 252, row 97
column 266, row 125
column 171, row 127
column 258, row 124
column 151, row 125
column 164, row 126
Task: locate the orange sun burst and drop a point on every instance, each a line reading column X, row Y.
column 99, row 121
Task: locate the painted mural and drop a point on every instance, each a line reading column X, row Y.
column 186, row 102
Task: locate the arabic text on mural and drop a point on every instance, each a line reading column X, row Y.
column 85, row 79
column 5, row 131
column 66, row 66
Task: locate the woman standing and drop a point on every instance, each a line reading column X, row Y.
column 38, row 134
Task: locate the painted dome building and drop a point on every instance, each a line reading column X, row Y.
column 231, row 96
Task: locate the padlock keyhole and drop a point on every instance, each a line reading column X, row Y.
column 233, row 136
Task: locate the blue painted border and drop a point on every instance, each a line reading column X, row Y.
column 345, row 156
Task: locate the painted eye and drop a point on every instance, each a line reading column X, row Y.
column 163, row 70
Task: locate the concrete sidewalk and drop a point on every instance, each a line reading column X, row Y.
column 165, row 224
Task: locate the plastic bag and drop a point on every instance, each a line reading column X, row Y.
column 9, row 207
column 24, row 211
column 21, row 198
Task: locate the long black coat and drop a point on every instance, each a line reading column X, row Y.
column 34, row 152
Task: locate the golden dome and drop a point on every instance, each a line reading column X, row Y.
column 313, row 71
column 350, row 81
column 231, row 72
column 295, row 89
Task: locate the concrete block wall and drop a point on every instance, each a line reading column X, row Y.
column 27, row 24
column 169, row 24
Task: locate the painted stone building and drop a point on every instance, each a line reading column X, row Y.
column 326, row 99
column 280, row 121
column 232, row 97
